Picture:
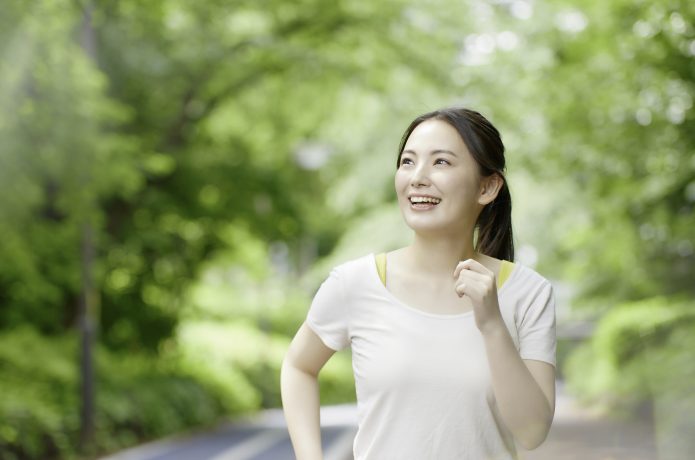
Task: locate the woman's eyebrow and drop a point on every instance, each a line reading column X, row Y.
column 433, row 152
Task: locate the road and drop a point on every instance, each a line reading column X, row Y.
column 577, row 434
column 263, row 437
column 582, row 434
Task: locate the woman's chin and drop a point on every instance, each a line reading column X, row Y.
column 426, row 226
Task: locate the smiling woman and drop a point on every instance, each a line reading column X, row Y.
column 446, row 135
column 453, row 346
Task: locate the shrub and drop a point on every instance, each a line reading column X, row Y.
column 213, row 349
column 137, row 397
column 640, row 351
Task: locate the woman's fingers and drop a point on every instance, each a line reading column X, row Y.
column 472, row 265
column 470, row 275
column 460, row 289
column 472, row 290
column 476, row 282
column 473, row 279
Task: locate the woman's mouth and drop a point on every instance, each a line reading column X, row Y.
column 423, row 203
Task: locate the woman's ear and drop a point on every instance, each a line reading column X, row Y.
column 490, row 186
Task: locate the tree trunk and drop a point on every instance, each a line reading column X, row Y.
column 87, row 307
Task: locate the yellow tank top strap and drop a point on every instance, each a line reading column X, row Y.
column 381, row 266
column 505, row 270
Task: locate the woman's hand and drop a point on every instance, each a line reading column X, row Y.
column 476, row 282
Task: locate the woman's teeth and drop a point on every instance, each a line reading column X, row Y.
column 424, row 200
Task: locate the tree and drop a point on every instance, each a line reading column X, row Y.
column 191, row 120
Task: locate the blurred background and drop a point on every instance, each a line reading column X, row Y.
column 177, row 178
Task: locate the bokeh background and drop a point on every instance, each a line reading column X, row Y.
column 178, row 177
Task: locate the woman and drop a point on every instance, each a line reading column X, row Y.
column 453, row 346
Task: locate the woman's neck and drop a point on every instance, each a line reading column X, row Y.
column 438, row 256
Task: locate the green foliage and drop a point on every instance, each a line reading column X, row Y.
column 38, row 382
column 183, row 134
column 619, row 131
column 165, row 125
column 138, row 398
column 241, row 285
column 58, row 154
column 216, row 351
column 336, row 381
column 640, row 351
column 622, row 131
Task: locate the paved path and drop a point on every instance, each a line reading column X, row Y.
column 263, row 437
column 580, row 434
column 577, row 434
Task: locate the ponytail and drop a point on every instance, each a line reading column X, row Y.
column 494, row 225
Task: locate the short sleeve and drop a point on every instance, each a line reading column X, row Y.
column 537, row 328
column 328, row 314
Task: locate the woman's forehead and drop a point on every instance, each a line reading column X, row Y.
column 433, row 135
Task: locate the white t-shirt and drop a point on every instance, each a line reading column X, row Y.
column 422, row 379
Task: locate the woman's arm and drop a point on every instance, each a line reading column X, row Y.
column 300, row 392
column 524, row 389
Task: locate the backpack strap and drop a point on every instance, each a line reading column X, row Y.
column 381, row 266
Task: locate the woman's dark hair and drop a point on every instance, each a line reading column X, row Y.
column 484, row 142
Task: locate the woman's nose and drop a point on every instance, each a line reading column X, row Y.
column 420, row 176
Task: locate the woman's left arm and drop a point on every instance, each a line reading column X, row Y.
column 524, row 389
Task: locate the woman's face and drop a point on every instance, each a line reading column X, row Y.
column 438, row 184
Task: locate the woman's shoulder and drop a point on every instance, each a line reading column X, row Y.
column 529, row 273
column 526, row 280
column 355, row 274
column 355, row 266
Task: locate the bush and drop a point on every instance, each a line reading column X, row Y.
column 38, row 397
column 138, row 398
column 640, row 351
column 215, row 370
column 212, row 350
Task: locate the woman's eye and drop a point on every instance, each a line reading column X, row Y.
column 407, row 161
column 441, row 161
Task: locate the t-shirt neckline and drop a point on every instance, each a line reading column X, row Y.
column 375, row 278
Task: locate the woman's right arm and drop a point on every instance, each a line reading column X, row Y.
column 300, row 392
